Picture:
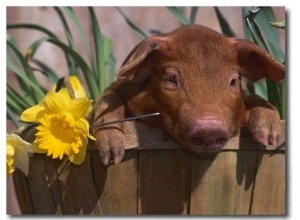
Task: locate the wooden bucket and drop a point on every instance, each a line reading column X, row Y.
column 159, row 177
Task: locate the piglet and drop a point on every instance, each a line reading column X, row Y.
column 192, row 77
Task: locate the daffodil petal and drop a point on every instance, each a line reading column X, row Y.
column 17, row 153
column 83, row 125
column 57, row 103
column 79, row 107
column 64, row 91
column 34, row 113
column 91, row 137
column 9, row 167
column 78, row 89
column 21, row 144
column 21, row 161
column 10, row 151
column 80, row 156
column 36, row 149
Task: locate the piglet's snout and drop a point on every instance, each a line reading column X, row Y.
column 208, row 134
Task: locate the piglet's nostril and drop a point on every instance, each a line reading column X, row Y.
column 209, row 135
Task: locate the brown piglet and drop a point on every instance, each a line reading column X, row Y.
column 192, row 77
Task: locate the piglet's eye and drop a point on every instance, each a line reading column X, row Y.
column 233, row 82
column 171, row 78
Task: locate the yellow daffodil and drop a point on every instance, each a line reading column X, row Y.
column 73, row 86
column 78, row 89
column 17, row 154
column 62, row 127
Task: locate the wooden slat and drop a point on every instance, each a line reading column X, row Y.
column 37, row 182
column 22, row 193
column 222, row 183
column 52, row 173
column 163, row 182
column 39, row 189
column 269, row 193
column 117, row 185
column 72, row 187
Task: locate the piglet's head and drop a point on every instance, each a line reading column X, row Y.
column 192, row 76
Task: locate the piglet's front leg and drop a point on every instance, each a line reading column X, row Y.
column 110, row 139
column 263, row 120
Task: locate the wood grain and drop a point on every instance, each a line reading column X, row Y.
column 157, row 176
column 222, row 183
column 163, row 182
column 269, row 195
column 117, row 185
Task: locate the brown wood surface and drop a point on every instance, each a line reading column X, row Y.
column 73, row 187
column 22, row 193
column 269, row 195
column 222, row 185
column 157, row 176
column 117, row 185
column 163, row 182
column 39, row 189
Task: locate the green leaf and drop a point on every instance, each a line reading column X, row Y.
column 273, row 93
column 11, row 52
column 100, row 60
column 32, row 26
column 260, row 88
column 28, row 77
column 107, row 47
column 282, row 102
column 179, row 15
column 254, row 30
column 92, row 86
column 24, row 100
column 226, row 29
column 46, row 70
column 65, row 27
column 30, row 52
column 135, row 28
column 111, row 67
column 271, row 34
column 17, row 109
column 247, row 32
column 12, row 55
column 257, row 21
column 11, row 116
column 82, row 35
column 71, row 63
column 193, row 14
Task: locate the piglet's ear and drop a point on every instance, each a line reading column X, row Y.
column 257, row 63
column 134, row 60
